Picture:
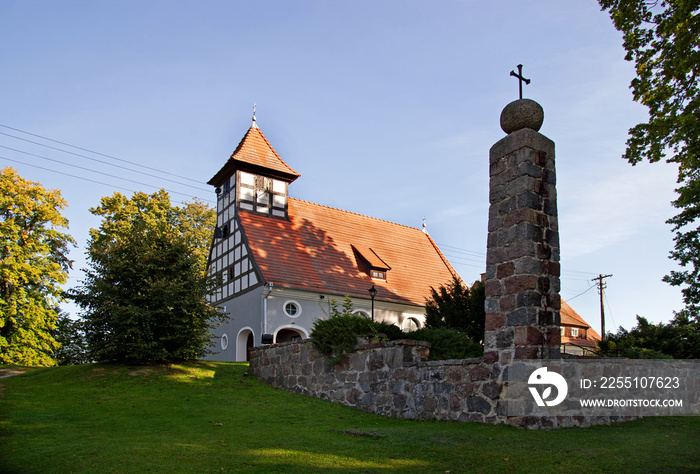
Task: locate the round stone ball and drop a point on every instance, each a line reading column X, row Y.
column 522, row 113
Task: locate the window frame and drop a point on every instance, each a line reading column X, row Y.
column 298, row 311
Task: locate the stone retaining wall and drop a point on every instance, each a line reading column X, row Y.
column 390, row 378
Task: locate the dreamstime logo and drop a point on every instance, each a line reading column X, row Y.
column 542, row 377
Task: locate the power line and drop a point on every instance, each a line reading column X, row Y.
column 582, row 293
column 91, row 170
column 462, row 250
column 108, row 163
column 97, row 153
column 83, row 178
column 66, row 174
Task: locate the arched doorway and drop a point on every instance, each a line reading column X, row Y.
column 410, row 324
column 244, row 342
column 289, row 335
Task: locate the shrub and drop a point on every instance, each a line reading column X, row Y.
column 338, row 334
column 446, row 343
column 337, row 337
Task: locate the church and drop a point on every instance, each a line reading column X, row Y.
column 282, row 262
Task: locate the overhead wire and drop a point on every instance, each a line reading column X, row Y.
column 582, row 293
column 97, row 153
column 80, row 177
column 90, row 170
column 103, row 162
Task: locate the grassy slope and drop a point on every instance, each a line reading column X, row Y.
column 210, row 417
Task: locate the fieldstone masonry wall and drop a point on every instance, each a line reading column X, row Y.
column 390, row 378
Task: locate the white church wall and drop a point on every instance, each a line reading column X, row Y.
column 244, row 311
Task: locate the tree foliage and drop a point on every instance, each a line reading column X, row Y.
column 663, row 40
column 33, row 264
column 456, row 306
column 679, row 339
column 70, row 334
column 337, row 336
column 144, row 296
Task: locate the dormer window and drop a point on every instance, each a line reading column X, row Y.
column 375, row 267
column 378, row 275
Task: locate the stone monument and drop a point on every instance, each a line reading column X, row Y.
column 522, row 262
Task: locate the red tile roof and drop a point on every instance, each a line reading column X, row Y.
column 571, row 318
column 314, row 251
column 254, row 152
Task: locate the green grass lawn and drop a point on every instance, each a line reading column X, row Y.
column 211, row 417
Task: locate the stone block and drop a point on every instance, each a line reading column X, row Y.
column 526, row 352
column 554, row 268
column 504, row 237
column 520, row 283
column 375, row 361
column 522, row 317
column 528, row 168
column 495, row 223
column 492, row 288
column 399, row 401
column 528, row 336
column 504, row 338
column 519, row 249
column 506, row 206
column 492, row 389
column 490, row 357
column 478, row 405
column 528, row 266
column 519, row 185
column 529, row 298
column 504, row 270
column 497, row 194
column 549, row 206
column 495, row 255
column 529, row 200
column 507, row 303
column 529, row 231
column 479, row 372
column 494, row 321
column 505, row 358
column 368, row 399
column 455, row 374
column 430, row 404
column 517, row 216
column 491, row 305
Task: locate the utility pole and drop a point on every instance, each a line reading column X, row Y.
column 601, row 286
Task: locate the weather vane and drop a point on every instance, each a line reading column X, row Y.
column 254, row 105
column 520, row 77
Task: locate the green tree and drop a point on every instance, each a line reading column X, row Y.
column 144, row 298
column 70, row 334
column 33, row 265
column 678, row 339
column 456, row 306
column 663, row 40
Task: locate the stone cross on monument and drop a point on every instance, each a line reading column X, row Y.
column 522, row 260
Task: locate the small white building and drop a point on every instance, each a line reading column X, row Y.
column 282, row 260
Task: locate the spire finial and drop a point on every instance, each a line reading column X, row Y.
column 425, row 231
column 254, row 119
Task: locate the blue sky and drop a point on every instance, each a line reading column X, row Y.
column 386, row 108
